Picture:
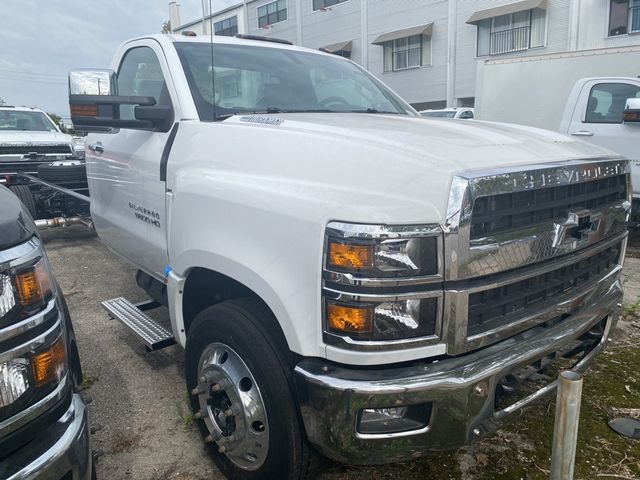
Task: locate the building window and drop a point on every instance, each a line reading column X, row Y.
column 624, row 17
column 271, row 13
column 511, row 33
column 227, row 27
column 320, row 4
column 408, row 52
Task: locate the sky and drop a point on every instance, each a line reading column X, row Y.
column 41, row 40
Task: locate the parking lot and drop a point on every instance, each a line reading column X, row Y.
column 143, row 428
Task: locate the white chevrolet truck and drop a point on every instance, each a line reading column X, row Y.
column 346, row 276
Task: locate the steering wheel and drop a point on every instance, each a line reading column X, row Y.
column 330, row 100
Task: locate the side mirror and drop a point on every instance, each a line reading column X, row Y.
column 631, row 112
column 94, row 104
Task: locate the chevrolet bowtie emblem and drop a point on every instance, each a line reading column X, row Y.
column 576, row 229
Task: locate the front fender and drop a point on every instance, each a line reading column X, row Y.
column 275, row 255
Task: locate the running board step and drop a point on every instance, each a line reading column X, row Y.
column 152, row 334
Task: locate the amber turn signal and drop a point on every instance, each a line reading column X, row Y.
column 351, row 257
column 84, row 110
column 347, row 319
column 33, row 285
column 49, row 365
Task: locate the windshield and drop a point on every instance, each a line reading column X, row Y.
column 250, row 79
column 30, row 121
column 439, row 114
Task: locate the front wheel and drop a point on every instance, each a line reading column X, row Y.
column 241, row 393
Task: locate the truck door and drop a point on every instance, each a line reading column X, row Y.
column 597, row 118
column 128, row 196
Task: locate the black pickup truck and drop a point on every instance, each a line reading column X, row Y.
column 44, row 431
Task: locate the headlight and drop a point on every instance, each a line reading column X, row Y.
column 385, row 320
column 39, row 369
column 7, row 298
column 386, row 271
column 35, row 363
column 14, row 380
column 24, row 290
column 381, row 251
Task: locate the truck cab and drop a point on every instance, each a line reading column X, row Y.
column 595, row 113
column 346, row 276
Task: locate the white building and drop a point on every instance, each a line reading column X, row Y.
column 427, row 50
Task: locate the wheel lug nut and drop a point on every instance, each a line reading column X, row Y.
column 215, row 388
column 203, row 379
column 197, row 391
column 211, row 438
column 222, row 449
column 198, row 415
column 229, row 412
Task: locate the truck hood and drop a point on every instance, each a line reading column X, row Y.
column 16, row 226
column 24, row 137
column 456, row 145
column 365, row 168
column 384, row 167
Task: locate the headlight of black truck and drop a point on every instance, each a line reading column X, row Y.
column 382, row 283
column 33, row 357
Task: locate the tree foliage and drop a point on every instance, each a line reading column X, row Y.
column 2, row 102
column 166, row 27
column 56, row 118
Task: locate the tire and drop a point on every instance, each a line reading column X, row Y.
column 234, row 333
column 69, row 171
column 94, row 475
column 23, row 192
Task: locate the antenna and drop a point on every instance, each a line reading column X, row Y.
column 213, row 71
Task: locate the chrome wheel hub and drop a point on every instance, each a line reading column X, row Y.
column 231, row 407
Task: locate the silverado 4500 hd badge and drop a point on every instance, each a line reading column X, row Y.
column 145, row 215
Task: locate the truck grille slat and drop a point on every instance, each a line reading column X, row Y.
column 499, row 306
column 512, row 211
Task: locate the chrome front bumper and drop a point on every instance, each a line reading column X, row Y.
column 460, row 389
column 61, row 450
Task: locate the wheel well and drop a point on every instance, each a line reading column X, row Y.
column 205, row 288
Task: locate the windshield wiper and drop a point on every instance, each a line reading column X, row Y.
column 371, row 110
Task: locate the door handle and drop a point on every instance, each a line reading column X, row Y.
column 96, row 147
column 582, row 133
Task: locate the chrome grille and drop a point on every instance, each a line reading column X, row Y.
column 507, row 212
column 528, row 244
column 509, row 219
column 497, row 307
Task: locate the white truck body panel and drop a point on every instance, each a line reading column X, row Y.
column 552, row 91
